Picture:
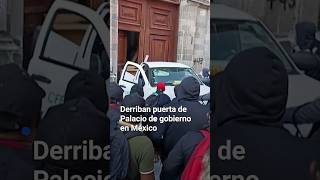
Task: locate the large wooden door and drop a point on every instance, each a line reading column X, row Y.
column 122, row 42
column 161, row 31
column 156, row 22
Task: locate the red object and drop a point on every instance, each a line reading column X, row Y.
column 161, row 87
column 195, row 166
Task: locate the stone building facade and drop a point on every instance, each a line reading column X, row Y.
column 193, row 34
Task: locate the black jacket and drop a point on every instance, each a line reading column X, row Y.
column 179, row 156
column 168, row 134
column 250, row 100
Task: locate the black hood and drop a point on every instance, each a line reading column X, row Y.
column 115, row 93
column 133, row 100
column 253, row 87
column 189, row 89
column 305, row 35
column 70, row 124
column 21, row 98
column 91, row 86
column 137, row 89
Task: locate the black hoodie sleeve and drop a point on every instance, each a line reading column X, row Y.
column 305, row 114
column 179, row 156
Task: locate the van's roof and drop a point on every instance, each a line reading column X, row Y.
column 154, row 64
column 220, row 11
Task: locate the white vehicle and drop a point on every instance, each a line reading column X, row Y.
column 233, row 31
column 151, row 73
column 57, row 57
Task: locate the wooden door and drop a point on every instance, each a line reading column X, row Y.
column 122, row 52
column 161, row 31
column 157, row 24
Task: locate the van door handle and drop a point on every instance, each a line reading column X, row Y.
column 41, row 78
column 123, row 86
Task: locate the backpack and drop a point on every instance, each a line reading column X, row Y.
column 195, row 165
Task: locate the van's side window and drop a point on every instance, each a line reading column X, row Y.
column 64, row 38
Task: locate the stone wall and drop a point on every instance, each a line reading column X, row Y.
column 194, row 34
column 114, row 39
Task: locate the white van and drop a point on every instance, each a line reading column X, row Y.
column 151, row 73
column 59, row 56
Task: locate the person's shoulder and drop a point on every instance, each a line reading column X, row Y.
column 140, row 139
column 140, row 142
column 141, row 146
column 192, row 135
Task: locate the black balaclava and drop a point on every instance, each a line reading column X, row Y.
column 253, row 87
column 115, row 93
column 88, row 85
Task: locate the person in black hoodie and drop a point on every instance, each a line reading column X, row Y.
column 180, row 155
column 119, row 162
column 309, row 49
column 116, row 97
column 306, row 37
column 250, row 99
column 20, row 111
column 168, row 134
column 137, row 88
column 82, row 118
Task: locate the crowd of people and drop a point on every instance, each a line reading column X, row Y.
column 134, row 154
column 177, row 150
column 249, row 109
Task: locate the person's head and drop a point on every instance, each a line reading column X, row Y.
column 20, row 103
column 131, row 101
column 116, row 93
column 305, row 35
column 137, row 89
column 76, row 123
column 253, row 87
column 161, row 87
column 188, row 89
column 206, row 72
column 88, row 85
